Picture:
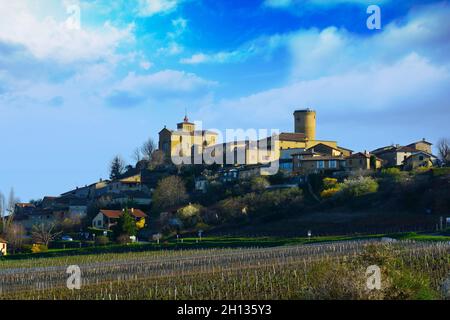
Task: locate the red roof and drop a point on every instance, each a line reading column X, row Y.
column 115, row 214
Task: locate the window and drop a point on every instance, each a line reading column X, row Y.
column 320, row 164
column 332, row 164
column 421, row 158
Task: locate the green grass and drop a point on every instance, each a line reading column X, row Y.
column 421, row 237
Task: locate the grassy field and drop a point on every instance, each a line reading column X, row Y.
column 410, row 270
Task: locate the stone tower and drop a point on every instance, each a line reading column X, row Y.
column 305, row 122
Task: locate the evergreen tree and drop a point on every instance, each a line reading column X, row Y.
column 117, row 167
column 125, row 225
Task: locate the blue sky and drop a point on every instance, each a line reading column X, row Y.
column 72, row 98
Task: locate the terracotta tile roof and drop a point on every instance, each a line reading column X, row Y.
column 346, row 149
column 406, row 149
column 359, row 154
column 323, row 157
column 114, row 214
column 421, row 141
column 394, row 149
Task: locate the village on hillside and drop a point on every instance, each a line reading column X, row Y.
column 96, row 208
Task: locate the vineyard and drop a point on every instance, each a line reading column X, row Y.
column 410, row 270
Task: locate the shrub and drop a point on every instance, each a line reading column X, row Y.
column 358, row 187
column 394, row 174
column 328, row 193
column 189, row 215
column 123, row 239
column 441, row 171
column 38, row 248
column 101, row 240
column 330, row 183
column 421, row 170
column 259, row 184
column 140, row 224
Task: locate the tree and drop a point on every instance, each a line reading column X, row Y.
column 15, row 236
column 444, row 150
column 6, row 220
column 259, row 184
column 137, row 156
column 358, row 187
column 2, row 211
column 44, row 233
column 12, row 200
column 116, row 167
column 169, row 192
column 189, row 215
column 148, row 148
column 158, row 159
column 126, row 225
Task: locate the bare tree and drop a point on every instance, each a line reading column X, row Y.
column 170, row 191
column 137, row 155
column 6, row 220
column 2, row 210
column 444, row 150
column 12, row 200
column 148, row 148
column 116, row 168
column 158, row 158
column 44, row 233
column 15, row 234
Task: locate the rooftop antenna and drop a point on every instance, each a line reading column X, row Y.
column 186, row 119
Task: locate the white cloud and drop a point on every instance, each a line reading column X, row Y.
column 196, row 58
column 263, row 46
column 170, row 80
column 424, row 31
column 167, row 84
column 172, row 49
column 147, row 8
column 49, row 38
